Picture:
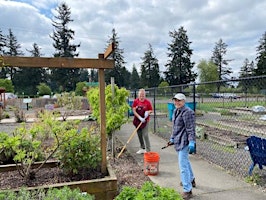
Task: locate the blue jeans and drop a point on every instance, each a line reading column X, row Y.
column 186, row 172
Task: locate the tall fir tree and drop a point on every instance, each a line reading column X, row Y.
column 135, row 79
column 260, row 69
column 179, row 65
column 119, row 72
column 13, row 48
column 261, row 56
column 64, row 79
column 27, row 79
column 93, row 75
column 84, row 75
column 2, row 43
column 2, row 51
column 218, row 58
column 150, row 72
column 247, row 70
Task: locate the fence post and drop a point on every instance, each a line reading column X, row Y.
column 154, row 111
column 194, row 96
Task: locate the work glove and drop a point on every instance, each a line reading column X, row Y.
column 142, row 119
column 192, row 147
column 170, row 142
column 146, row 114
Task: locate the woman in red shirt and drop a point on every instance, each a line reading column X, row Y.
column 142, row 109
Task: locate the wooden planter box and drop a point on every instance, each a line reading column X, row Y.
column 104, row 188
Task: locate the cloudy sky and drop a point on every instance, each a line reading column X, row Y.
column 239, row 23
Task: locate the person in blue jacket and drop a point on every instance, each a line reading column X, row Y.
column 184, row 140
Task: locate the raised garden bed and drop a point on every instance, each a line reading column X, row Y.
column 101, row 188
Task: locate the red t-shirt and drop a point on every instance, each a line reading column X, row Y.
column 146, row 105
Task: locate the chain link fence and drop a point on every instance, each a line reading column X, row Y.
column 224, row 119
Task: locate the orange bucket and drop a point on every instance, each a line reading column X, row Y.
column 151, row 163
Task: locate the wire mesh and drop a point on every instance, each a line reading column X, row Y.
column 224, row 119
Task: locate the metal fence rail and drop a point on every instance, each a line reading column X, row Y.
column 224, row 119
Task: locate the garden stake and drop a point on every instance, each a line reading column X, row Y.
column 129, row 139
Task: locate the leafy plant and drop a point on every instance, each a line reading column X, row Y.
column 64, row 193
column 116, row 106
column 81, row 87
column 20, row 115
column 6, row 152
column 68, row 102
column 81, row 151
column 149, row 191
column 29, row 145
column 128, row 193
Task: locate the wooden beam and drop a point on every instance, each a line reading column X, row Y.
column 109, row 50
column 61, row 62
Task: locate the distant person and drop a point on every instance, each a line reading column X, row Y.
column 142, row 109
column 184, row 140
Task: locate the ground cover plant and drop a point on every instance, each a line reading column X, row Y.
column 64, row 193
column 148, row 191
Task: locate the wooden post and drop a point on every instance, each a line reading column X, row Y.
column 103, row 119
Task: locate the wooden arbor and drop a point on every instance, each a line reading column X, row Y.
column 101, row 63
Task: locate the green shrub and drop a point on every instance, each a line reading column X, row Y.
column 116, row 106
column 19, row 115
column 44, row 89
column 80, row 151
column 149, row 191
column 6, row 152
column 68, row 101
column 64, row 193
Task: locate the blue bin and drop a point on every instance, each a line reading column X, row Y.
column 171, row 108
column 191, row 105
column 130, row 112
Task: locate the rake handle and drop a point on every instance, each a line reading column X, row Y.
column 129, row 139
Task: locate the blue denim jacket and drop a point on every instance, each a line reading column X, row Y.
column 183, row 127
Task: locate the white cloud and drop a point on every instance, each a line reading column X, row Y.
column 239, row 23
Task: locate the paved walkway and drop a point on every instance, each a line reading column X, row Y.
column 213, row 183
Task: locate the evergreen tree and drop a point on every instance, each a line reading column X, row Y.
column 93, row 75
column 150, row 76
column 246, row 70
column 84, row 75
column 135, row 79
column 119, row 72
column 64, row 79
column 26, row 79
column 261, row 58
column 13, row 49
column 2, row 46
column 2, row 43
column 218, row 59
column 179, row 66
column 127, row 75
